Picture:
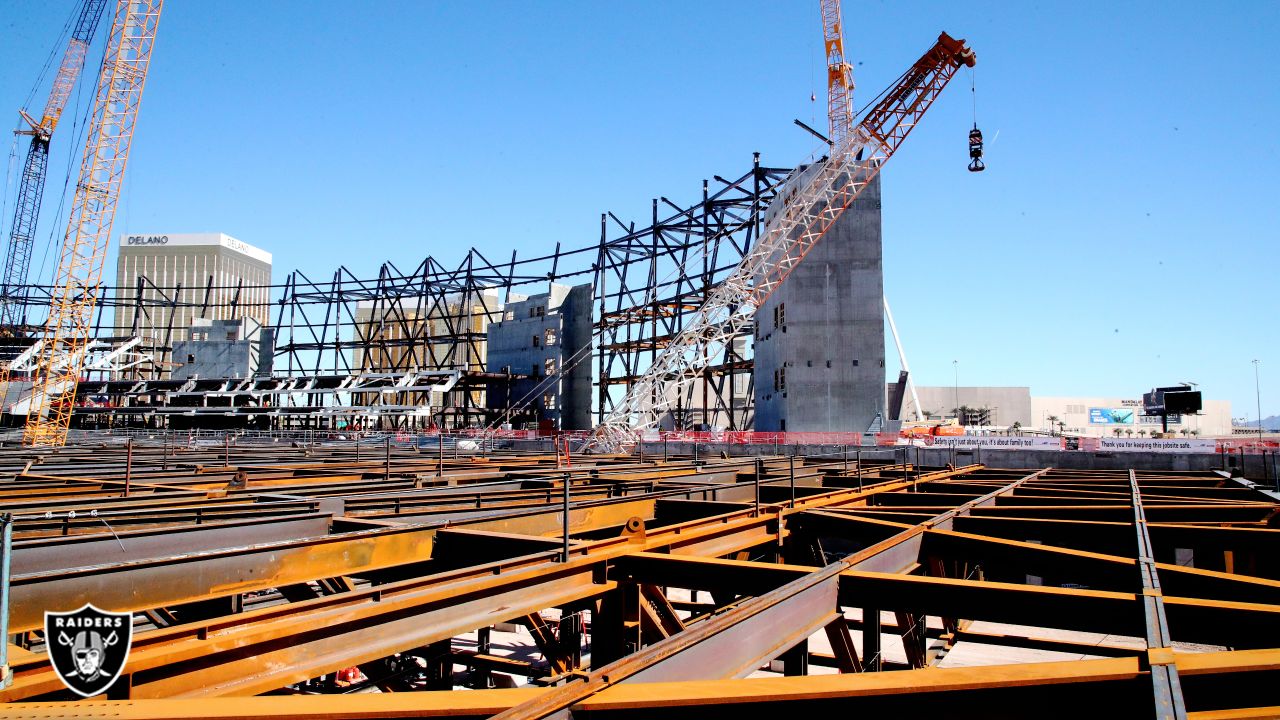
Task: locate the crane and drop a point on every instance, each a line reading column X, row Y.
column 839, row 74
column 84, row 247
column 17, row 260
column 807, row 213
column 840, row 121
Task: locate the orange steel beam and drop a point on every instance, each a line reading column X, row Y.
column 1079, row 683
column 148, row 584
column 256, row 651
column 348, row 638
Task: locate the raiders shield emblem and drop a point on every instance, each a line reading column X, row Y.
column 88, row 647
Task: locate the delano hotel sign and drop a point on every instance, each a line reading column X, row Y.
column 147, row 240
column 132, row 244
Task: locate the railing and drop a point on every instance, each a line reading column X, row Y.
column 488, row 438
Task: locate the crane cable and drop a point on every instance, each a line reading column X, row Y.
column 973, row 91
column 975, row 135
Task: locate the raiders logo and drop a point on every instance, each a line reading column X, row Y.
column 88, row 647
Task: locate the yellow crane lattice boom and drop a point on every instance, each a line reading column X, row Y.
column 839, row 74
column 84, row 247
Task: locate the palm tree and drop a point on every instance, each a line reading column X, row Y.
column 1052, row 420
column 1016, row 428
column 1184, row 432
column 1129, row 432
column 1142, row 433
column 1117, row 432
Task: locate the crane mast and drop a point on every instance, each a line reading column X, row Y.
column 839, row 74
column 17, row 260
column 84, row 248
column 804, row 218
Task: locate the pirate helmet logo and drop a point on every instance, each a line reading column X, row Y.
column 88, row 647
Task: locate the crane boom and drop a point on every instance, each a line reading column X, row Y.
column 839, row 74
column 84, row 248
column 17, row 260
column 790, row 234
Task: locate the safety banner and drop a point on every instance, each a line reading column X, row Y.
column 1162, row 445
column 996, row 442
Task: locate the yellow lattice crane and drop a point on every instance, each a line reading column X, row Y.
column 839, row 74
column 84, row 248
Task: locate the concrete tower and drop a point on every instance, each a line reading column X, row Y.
column 819, row 344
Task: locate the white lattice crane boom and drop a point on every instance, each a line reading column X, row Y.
column 790, row 235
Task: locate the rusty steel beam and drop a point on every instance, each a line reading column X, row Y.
column 110, row 547
column 1233, row 684
column 160, row 582
column 1168, row 701
column 266, row 649
column 919, row 548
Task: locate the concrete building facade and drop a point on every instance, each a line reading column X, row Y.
column 819, row 339
column 234, row 275
column 547, row 337
column 224, row 349
column 1001, row 406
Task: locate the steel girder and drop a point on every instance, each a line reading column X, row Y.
column 1182, row 588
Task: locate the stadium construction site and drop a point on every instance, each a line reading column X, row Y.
column 657, row 472
column 275, row 577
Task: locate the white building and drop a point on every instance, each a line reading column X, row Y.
column 1104, row 416
column 184, row 277
column 1087, row 416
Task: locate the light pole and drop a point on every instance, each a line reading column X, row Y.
column 955, row 365
column 1257, row 389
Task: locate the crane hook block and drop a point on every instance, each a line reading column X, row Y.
column 975, row 150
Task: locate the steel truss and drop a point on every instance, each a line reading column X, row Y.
column 648, row 282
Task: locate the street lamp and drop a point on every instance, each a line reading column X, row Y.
column 1257, row 389
column 955, row 365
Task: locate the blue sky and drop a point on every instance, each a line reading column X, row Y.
column 1124, row 234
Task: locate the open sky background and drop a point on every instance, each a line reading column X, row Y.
column 1123, row 236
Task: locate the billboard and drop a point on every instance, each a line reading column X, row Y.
column 1111, row 416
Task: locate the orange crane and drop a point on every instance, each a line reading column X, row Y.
column 839, row 74
column 808, row 211
column 84, row 247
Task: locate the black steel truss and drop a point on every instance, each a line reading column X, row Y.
column 647, row 282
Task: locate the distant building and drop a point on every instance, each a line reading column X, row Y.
column 548, row 338
column 1104, row 416
column 998, row 406
column 224, row 349
column 425, row 332
column 1098, row 416
column 182, row 278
